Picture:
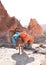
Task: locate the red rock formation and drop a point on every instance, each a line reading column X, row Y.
column 4, row 17
column 7, row 23
column 35, row 28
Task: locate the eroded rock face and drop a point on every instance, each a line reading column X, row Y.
column 35, row 28
column 7, row 23
column 4, row 17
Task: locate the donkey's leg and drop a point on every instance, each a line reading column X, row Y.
column 17, row 47
column 20, row 50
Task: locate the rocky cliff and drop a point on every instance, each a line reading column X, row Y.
column 7, row 23
column 35, row 28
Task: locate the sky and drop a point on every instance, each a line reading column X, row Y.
column 24, row 10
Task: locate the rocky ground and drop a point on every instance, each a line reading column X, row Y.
column 9, row 56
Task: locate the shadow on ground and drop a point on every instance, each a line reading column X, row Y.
column 22, row 59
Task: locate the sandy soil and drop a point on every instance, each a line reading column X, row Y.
column 9, row 56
